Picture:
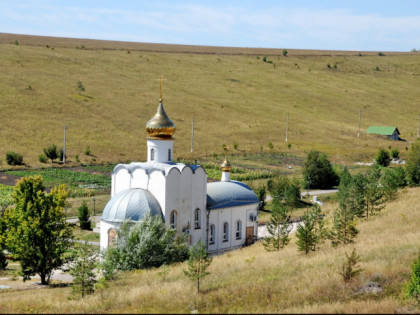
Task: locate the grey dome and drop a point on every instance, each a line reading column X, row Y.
column 131, row 204
column 229, row 194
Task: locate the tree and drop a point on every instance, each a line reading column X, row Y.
column 51, row 152
column 350, row 269
column 374, row 200
column 292, row 196
column 383, row 158
column 198, row 262
column 261, row 193
column 37, row 232
column 305, row 234
column 80, row 87
column 319, row 229
column 318, row 172
column 395, row 153
column 278, row 227
column 145, row 244
column 83, row 261
column 412, row 166
column 344, row 226
column 389, row 184
column 84, row 218
column 285, row 190
column 285, row 52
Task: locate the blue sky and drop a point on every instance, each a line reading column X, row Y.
column 382, row 25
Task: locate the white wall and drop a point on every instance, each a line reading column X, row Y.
column 161, row 148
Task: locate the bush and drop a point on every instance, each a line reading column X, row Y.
column 51, row 152
column 381, row 54
column 80, row 87
column 42, row 158
column 87, row 150
column 382, row 158
column 349, row 269
column 413, row 287
column 285, row 52
column 395, row 153
column 61, row 155
column 13, row 158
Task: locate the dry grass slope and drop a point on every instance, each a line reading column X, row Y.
column 232, row 95
column 252, row 280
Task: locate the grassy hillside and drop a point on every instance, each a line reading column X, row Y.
column 233, row 95
column 252, row 280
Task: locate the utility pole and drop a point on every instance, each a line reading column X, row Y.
column 418, row 129
column 360, row 118
column 287, row 125
column 64, row 148
column 192, row 137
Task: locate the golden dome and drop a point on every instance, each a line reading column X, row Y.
column 160, row 126
column 226, row 167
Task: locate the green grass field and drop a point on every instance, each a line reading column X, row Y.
column 232, row 96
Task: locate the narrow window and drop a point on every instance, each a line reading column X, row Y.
column 238, row 229
column 225, row 232
column 169, row 155
column 152, row 154
column 197, row 219
column 212, row 234
column 173, row 219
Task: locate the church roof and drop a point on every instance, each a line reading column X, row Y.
column 229, row 194
column 160, row 126
column 131, row 204
column 151, row 167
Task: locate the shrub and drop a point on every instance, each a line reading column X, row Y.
column 16, row 42
column 377, row 68
column 382, row 158
column 13, row 158
column 61, row 155
column 42, row 158
column 87, row 150
column 395, row 153
column 381, row 54
column 265, row 59
column 80, row 87
column 285, row 52
column 51, row 152
column 76, row 157
column 413, row 287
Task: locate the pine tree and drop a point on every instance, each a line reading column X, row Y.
column 279, row 227
column 84, row 218
column 350, row 269
column 81, row 268
column 198, row 262
column 344, row 226
column 319, row 229
column 305, row 233
column 374, row 200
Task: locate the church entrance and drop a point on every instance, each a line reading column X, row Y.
column 249, row 235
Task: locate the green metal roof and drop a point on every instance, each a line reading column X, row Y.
column 382, row 130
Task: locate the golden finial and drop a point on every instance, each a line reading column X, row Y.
column 226, row 165
column 161, row 79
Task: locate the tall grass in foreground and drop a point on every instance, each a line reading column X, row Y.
column 252, row 280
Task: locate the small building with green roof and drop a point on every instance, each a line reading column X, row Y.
column 391, row 132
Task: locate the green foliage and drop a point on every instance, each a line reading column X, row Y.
column 198, row 262
column 61, row 154
column 389, row 183
column 285, row 52
column 285, row 190
column 349, row 268
column 383, row 158
column 51, row 152
column 395, row 153
column 412, row 288
column 42, row 158
column 76, row 158
column 412, row 166
column 37, row 232
column 278, row 227
column 289, row 146
column 146, row 244
column 84, row 217
column 305, row 234
column 377, row 68
column 261, row 194
column 6, row 199
column 16, row 42
column 381, row 54
column 83, row 261
column 374, row 200
column 235, row 145
column 80, row 87
column 344, row 226
column 87, row 150
column 265, row 59
column 13, row 158
column 270, row 146
column 318, row 172
column 3, row 260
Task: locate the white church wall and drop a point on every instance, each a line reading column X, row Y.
column 139, row 178
column 122, row 180
column 157, row 186
column 105, row 227
column 172, row 202
column 161, row 148
column 199, row 200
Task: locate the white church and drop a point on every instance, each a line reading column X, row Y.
column 224, row 214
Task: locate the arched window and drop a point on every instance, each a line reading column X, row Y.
column 152, row 154
column 173, row 219
column 197, row 219
column 169, row 155
column 112, row 236
column 225, row 232
column 238, row 229
column 212, row 238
